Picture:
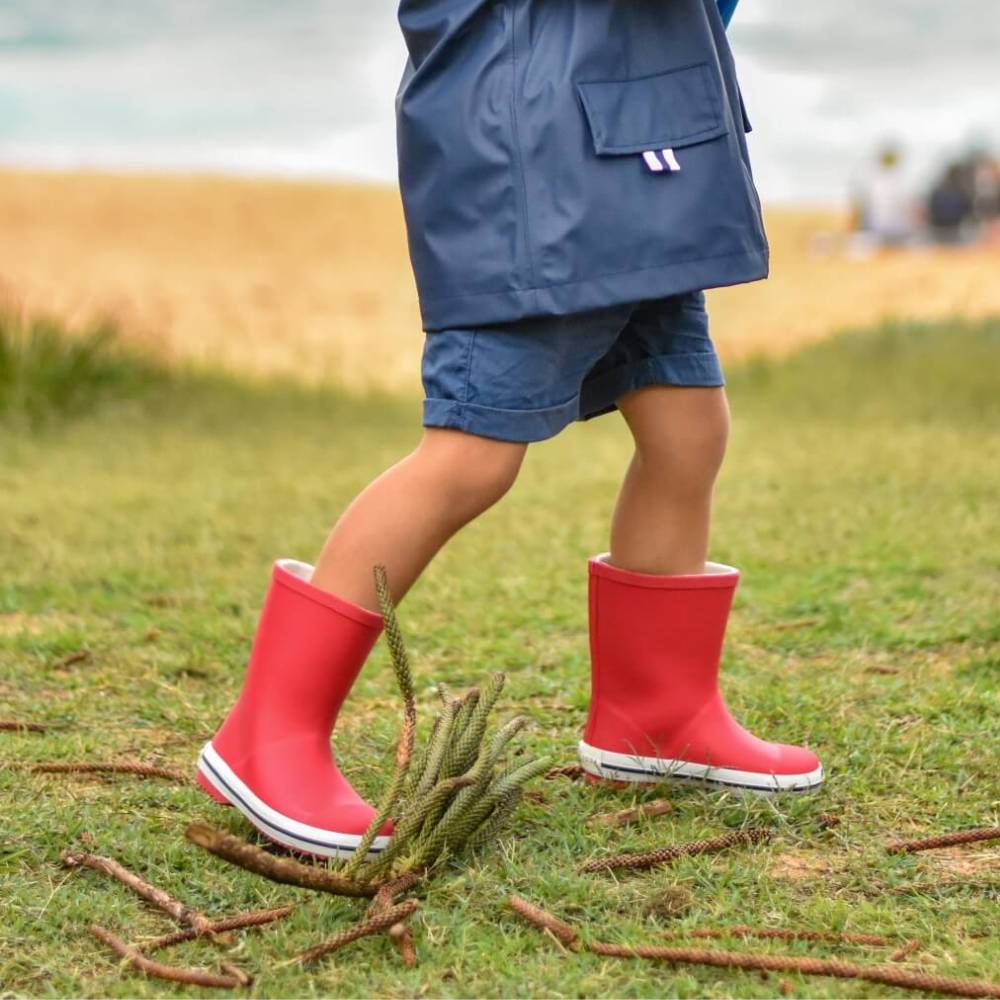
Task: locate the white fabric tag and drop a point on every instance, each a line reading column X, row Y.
column 653, row 162
column 660, row 161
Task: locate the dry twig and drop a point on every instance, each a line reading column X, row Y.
column 238, row 852
column 625, row 816
column 787, row 626
column 388, row 891
column 540, row 918
column 787, row 934
column 908, row 949
column 667, row 854
column 193, row 977
column 241, row 977
column 944, row 840
column 883, row 974
column 162, row 900
column 238, row 921
column 571, row 771
column 399, row 932
column 123, row 767
column 372, row 925
column 80, row 656
column 15, row 725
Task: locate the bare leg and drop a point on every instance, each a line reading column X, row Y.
column 406, row 515
column 662, row 516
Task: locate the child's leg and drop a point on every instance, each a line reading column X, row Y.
column 406, row 515
column 661, row 519
column 271, row 758
column 658, row 615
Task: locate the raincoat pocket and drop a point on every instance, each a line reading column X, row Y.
column 668, row 111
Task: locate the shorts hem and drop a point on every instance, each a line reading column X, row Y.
column 701, row 370
column 521, row 426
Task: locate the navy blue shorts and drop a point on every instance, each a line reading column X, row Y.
column 526, row 380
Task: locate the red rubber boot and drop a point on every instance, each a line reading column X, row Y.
column 271, row 758
column 655, row 709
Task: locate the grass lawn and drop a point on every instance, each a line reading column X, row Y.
column 860, row 499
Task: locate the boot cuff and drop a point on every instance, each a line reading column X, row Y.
column 717, row 577
column 296, row 575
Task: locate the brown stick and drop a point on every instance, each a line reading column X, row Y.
column 243, row 978
column 886, row 975
column 908, row 949
column 193, row 977
column 373, row 925
column 238, row 852
column 388, row 891
column 164, row 901
column 787, row 934
column 255, row 918
column 400, row 933
column 541, row 918
column 125, row 767
column 625, row 816
column 944, row 840
column 80, row 656
column 565, row 771
column 785, row 626
column 667, row 854
column 9, row 725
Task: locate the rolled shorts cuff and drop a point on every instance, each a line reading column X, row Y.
column 599, row 395
column 522, row 426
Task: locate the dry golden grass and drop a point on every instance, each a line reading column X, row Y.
column 312, row 280
column 262, row 276
column 810, row 296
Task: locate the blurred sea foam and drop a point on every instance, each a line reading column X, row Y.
column 305, row 87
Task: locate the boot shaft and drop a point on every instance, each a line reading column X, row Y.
column 655, row 644
column 307, row 652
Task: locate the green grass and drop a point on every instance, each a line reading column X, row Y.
column 45, row 374
column 860, row 495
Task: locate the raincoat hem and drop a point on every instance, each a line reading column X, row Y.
column 619, row 288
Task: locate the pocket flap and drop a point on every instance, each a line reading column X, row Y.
column 674, row 109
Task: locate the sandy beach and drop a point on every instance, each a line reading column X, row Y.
column 312, row 280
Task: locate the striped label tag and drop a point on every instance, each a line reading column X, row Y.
column 661, row 160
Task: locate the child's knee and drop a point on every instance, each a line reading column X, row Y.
column 474, row 472
column 690, row 452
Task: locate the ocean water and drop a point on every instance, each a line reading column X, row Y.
column 305, row 87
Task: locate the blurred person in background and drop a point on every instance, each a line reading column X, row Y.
column 883, row 212
column 949, row 207
column 986, row 196
column 963, row 206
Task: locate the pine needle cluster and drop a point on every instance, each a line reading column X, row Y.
column 456, row 791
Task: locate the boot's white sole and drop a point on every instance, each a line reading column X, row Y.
column 281, row 829
column 623, row 767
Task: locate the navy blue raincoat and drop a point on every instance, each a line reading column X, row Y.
column 563, row 155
